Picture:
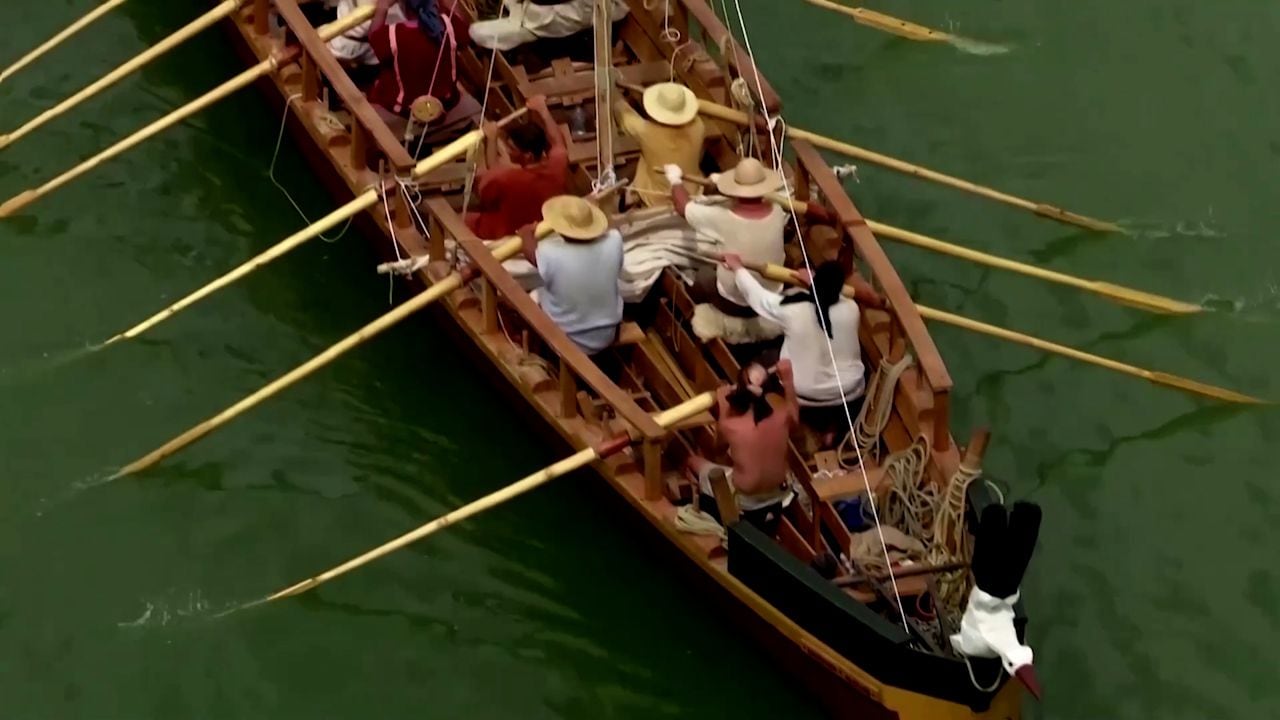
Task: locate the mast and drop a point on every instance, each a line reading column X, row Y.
column 602, row 19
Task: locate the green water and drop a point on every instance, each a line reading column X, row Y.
column 1152, row 593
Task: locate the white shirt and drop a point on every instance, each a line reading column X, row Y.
column 818, row 380
column 353, row 45
column 757, row 240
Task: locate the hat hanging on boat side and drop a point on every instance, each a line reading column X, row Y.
column 670, row 103
column 749, row 179
column 574, row 219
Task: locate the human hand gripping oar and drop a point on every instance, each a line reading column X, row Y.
column 244, row 79
column 586, row 456
column 363, row 201
column 1117, row 293
column 57, row 40
column 781, row 274
column 503, row 250
column 223, row 10
column 720, row 112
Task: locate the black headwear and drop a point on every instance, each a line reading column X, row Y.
column 825, row 291
column 746, row 396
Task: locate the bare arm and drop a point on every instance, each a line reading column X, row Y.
column 542, row 115
column 789, row 391
column 380, row 15
column 865, row 295
column 679, row 198
column 529, row 243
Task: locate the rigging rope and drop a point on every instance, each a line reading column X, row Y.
column 778, row 163
column 271, row 173
column 876, row 411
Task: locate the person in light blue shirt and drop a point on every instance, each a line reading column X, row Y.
column 579, row 265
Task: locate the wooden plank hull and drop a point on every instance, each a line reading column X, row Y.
column 848, row 685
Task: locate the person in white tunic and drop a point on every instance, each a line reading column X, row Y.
column 352, row 47
column 751, row 227
column 820, row 339
column 523, row 21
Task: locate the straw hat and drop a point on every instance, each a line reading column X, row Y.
column 574, row 218
column 670, row 103
column 749, row 179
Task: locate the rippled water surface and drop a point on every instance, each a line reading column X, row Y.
column 1153, row 593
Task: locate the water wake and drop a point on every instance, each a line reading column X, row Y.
column 191, row 607
column 26, row 371
column 969, row 46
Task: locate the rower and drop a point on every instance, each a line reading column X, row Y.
column 511, row 195
column 418, row 63
column 352, row 48
column 752, row 227
column 756, row 416
column 820, row 329
column 579, row 266
column 674, row 133
column 523, row 21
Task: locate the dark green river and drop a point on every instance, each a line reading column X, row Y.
column 1153, row 594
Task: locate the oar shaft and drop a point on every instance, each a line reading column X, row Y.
column 727, row 114
column 1118, row 293
column 362, row 202
column 582, row 458
column 400, row 312
column 235, row 84
column 223, row 10
column 56, row 40
column 778, row 273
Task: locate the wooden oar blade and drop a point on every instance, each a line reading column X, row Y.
column 17, row 202
column 1142, row 300
column 75, row 27
column 1199, row 388
column 896, row 26
column 1066, row 216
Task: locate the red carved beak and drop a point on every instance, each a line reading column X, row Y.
column 1026, row 675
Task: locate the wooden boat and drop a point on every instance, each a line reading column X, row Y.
column 859, row 661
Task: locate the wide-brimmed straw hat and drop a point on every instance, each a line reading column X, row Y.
column 670, row 103
column 750, row 179
column 574, row 218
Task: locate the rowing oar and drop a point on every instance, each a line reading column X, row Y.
column 244, row 79
column 782, row 274
column 502, row 251
column 582, row 458
column 1117, row 293
column 56, row 40
column 727, row 114
column 363, row 201
column 886, row 23
column 223, row 10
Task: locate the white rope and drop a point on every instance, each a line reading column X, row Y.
column 395, row 244
column 948, row 542
column 876, row 411
column 271, row 173
column 974, row 680
column 910, row 501
column 840, row 385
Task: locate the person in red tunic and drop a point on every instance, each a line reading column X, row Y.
column 411, row 64
column 511, row 196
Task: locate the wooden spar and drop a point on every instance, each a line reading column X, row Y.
column 75, row 27
column 1140, row 299
column 782, row 274
column 666, row 419
column 603, row 26
column 240, row 81
column 222, row 10
column 361, row 202
column 727, row 114
column 885, row 23
column 502, row 251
